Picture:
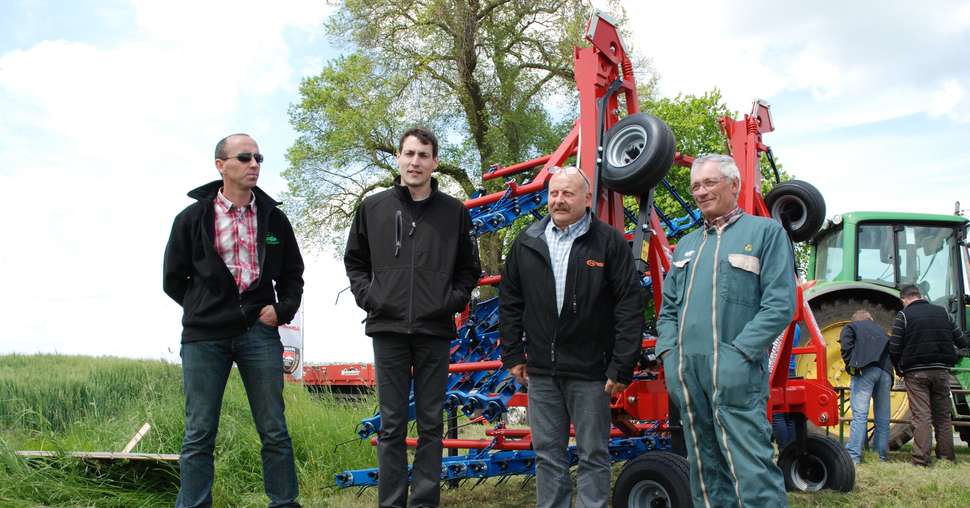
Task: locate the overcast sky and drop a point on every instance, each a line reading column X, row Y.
column 109, row 111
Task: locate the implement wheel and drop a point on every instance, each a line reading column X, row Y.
column 637, row 154
column 821, row 464
column 799, row 206
column 653, row 480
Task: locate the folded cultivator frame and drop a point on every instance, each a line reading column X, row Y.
column 625, row 157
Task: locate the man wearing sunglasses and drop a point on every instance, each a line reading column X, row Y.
column 571, row 319
column 412, row 263
column 233, row 264
column 729, row 294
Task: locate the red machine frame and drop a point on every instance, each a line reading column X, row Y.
column 602, row 71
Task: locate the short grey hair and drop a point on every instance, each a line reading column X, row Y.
column 861, row 315
column 725, row 163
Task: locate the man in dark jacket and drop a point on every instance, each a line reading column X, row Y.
column 570, row 288
column 923, row 348
column 412, row 263
column 865, row 352
column 233, row 265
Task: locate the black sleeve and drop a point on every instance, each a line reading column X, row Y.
column 896, row 339
column 289, row 284
column 357, row 257
column 468, row 268
column 847, row 341
column 959, row 340
column 627, row 310
column 177, row 261
column 511, row 307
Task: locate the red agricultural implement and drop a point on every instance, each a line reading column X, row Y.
column 631, row 156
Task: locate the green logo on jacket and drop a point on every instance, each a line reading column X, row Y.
column 271, row 239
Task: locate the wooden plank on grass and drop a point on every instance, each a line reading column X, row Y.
column 107, row 456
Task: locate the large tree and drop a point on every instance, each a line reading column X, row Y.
column 493, row 77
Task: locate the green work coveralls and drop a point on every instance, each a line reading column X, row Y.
column 729, row 294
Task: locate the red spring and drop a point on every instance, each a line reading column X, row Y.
column 627, row 68
column 751, row 124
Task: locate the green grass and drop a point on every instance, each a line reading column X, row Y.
column 96, row 404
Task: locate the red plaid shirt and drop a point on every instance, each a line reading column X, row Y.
column 235, row 239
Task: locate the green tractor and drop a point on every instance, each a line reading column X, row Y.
column 860, row 260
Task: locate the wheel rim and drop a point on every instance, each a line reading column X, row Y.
column 793, row 207
column 648, row 494
column 808, row 473
column 626, row 146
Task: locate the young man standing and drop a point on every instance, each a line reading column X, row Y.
column 233, row 265
column 412, row 263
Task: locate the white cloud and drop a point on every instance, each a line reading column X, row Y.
column 101, row 143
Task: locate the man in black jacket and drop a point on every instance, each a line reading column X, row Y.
column 233, row 265
column 570, row 288
column 865, row 352
column 923, row 348
column 412, row 263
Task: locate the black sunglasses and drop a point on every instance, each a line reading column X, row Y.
column 246, row 157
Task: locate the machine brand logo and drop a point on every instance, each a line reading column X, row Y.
column 594, row 264
column 271, row 239
column 747, row 247
column 350, row 371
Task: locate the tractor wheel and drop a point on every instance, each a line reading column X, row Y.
column 654, row 479
column 832, row 316
column 799, row 206
column 637, row 153
column 821, row 464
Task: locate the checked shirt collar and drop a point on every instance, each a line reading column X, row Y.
column 235, row 239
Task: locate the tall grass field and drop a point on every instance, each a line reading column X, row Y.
column 70, row 403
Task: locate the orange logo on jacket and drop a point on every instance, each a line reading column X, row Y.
column 595, row 264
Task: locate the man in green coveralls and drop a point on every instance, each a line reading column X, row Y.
column 729, row 293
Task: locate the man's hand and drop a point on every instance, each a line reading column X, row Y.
column 614, row 387
column 520, row 374
column 268, row 316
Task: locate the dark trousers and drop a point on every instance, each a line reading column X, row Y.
column 401, row 361
column 258, row 353
column 929, row 401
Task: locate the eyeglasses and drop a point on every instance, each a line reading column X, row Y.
column 245, row 157
column 707, row 183
column 569, row 170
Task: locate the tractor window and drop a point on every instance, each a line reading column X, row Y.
column 828, row 257
column 876, row 254
column 924, row 260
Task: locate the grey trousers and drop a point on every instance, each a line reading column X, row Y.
column 395, row 355
column 554, row 403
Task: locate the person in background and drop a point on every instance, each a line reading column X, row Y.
column 865, row 352
column 923, row 348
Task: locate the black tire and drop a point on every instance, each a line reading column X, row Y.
column 832, row 315
column 799, row 206
column 637, row 154
column 822, row 464
column 654, row 479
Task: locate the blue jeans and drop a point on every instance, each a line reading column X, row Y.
column 871, row 383
column 553, row 403
column 258, row 353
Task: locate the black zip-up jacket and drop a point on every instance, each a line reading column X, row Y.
column 196, row 277
column 924, row 337
column 598, row 333
column 412, row 265
column 864, row 343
